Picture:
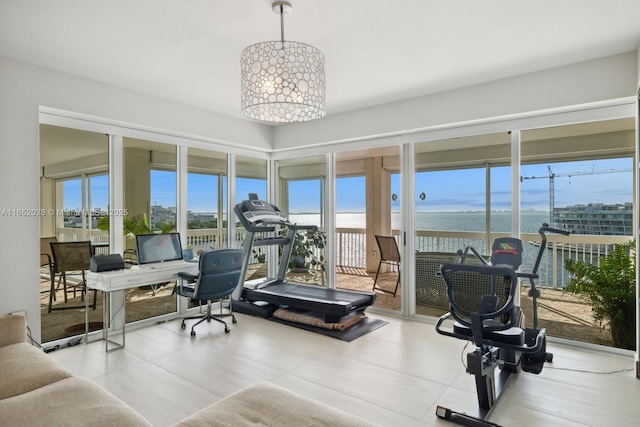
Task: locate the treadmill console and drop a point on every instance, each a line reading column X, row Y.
column 254, row 214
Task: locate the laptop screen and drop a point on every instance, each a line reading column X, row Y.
column 153, row 248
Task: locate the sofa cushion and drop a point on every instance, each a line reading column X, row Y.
column 13, row 329
column 25, row 368
column 69, row 402
column 265, row 404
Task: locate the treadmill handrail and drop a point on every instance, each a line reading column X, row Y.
column 266, row 224
column 301, row 227
column 260, row 224
column 270, row 241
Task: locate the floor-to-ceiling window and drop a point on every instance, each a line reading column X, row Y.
column 206, row 200
column 74, row 191
column 301, row 197
column 150, row 200
column 251, row 178
column 577, row 178
column 463, row 198
column 365, row 196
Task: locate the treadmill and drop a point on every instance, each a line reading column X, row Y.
column 262, row 297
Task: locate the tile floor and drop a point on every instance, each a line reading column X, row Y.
column 394, row 376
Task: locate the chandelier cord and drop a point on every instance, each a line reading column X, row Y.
column 281, row 23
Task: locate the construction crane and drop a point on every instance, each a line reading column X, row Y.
column 552, row 176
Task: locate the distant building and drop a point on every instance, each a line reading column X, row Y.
column 201, row 217
column 596, row 218
column 161, row 215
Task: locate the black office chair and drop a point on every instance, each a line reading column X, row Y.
column 70, row 258
column 218, row 276
column 389, row 254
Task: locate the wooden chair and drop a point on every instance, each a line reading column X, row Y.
column 46, row 260
column 389, row 254
column 70, row 257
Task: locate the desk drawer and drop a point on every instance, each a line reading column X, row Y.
column 133, row 280
column 118, row 280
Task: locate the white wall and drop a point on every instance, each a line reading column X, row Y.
column 602, row 79
column 24, row 87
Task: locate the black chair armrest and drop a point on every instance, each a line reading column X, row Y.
column 187, row 276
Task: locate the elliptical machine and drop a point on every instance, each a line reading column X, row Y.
column 482, row 305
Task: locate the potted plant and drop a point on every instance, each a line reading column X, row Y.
column 259, row 255
column 187, row 253
column 131, row 226
column 135, row 224
column 303, row 250
column 610, row 286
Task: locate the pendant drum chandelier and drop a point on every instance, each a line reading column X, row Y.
column 282, row 81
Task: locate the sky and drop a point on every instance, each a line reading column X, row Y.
column 597, row 181
column 201, row 191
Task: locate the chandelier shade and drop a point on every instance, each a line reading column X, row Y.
column 282, row 81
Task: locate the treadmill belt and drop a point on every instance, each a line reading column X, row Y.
column 315, row 294
column 334, row 303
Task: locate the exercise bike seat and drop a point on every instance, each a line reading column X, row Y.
column 513, row 336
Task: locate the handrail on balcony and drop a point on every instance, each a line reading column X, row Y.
column 351, row 246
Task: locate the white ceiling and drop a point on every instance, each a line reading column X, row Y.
column 376, row 51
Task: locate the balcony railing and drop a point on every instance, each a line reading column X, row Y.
column 351, row 246
column 351, row 249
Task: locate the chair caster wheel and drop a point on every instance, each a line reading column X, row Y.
column 193, row 333
column 227, row 330
column 183, row 326
column 234, row 321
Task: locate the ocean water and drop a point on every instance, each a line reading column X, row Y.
column 439, row 221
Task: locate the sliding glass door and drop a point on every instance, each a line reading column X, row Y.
column 74, row 194
column 301, row 190
column 463, row 198
column 206, row 200
column 577, row 178
column 367, row 199
column 150, row 200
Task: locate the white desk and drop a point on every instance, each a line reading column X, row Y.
column 120, row 280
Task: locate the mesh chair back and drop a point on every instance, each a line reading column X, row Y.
column 71, row 256
column 468, row 284
column 219, row 274
column 388, row 248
